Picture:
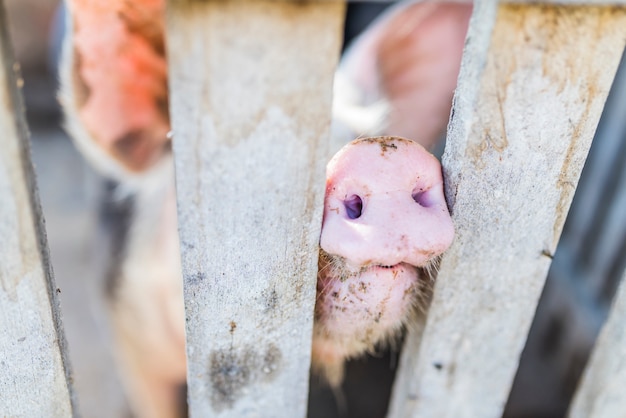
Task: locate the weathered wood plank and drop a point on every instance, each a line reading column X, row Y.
column 251, row 85
column 602, row 390
column 554, row 2
column 568, row 2
column 34, row 377
column 531, row 90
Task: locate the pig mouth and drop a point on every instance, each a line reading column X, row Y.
column 339, row 267
column 421, row 271
column 392, row 270
column 361, row 309
column 334, row 267
column 385, row 267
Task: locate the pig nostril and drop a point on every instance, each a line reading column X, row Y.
column 354, row 206
column 422, row 197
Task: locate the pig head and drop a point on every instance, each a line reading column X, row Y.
column 385, row 218
column 385, row 223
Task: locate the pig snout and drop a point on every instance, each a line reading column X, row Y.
column 385, row 223
column 384, row 204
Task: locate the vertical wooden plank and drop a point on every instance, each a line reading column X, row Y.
column 602, row 390
column 531, row 90
column 251, row 85
column 34, row 377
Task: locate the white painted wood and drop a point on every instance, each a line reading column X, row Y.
column 251, row 86
column 602, row 390
column 34, row 372
column 531, row 90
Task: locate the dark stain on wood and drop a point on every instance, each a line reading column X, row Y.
column 232, row 370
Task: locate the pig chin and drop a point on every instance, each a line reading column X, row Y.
column 361, row 309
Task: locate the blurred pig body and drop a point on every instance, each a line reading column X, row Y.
column 114, row 96
column 397, row 80
column 145, row 298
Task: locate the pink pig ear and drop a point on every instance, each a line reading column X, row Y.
column 406, row 64
column 114, row 83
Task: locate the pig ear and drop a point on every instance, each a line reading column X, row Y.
column 406, row 65
column 114, row 84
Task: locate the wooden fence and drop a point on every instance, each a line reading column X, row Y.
column 35, row 378
column 250, row 101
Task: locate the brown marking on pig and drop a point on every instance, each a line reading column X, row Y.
column 81, row 89
column 386, row 142
column 231, row 371
column 362, row 287
column 351, row 288
column 145, row 24
column 163, row 106
column 136, row 149
column 383, row 305
column 325, row 361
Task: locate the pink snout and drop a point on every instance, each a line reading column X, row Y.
column 385, row 204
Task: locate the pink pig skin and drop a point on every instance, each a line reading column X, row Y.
column 375, row 256
column 399, row 76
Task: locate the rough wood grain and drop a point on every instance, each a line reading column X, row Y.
column 569, row 2
column 602, row 390
column 251, row 86
column 531, row 90
column 34, row 373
